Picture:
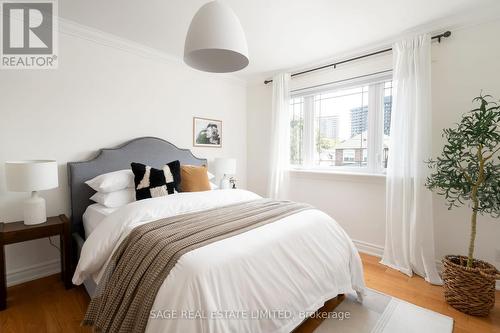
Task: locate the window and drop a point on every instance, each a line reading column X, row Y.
column 296, row 130
column 348, row 156
column 387, row 121
column 343, row 128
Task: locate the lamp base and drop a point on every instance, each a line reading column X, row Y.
column 224, row 183
column 34, row 210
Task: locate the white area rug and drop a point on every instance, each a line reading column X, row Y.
column 380, row 313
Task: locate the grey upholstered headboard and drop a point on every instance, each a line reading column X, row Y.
column 152, row 151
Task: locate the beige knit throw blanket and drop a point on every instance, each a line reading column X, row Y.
column 141, row 263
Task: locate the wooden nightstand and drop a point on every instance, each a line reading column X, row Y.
column 16, row 232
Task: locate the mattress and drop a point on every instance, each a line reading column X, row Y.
column 94, row 214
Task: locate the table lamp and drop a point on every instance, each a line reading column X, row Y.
column 32, row 176
column 225, row 167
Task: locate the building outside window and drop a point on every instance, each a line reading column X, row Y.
column 342, row 128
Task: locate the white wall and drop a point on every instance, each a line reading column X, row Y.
column 462, row 66
column 103, row 94
column 469, row 63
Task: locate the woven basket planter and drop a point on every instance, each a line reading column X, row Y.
column 469, row 290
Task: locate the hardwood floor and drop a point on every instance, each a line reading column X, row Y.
column 415, row 290
column 45, row 306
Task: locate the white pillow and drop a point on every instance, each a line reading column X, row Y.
column 210, row 175
column 112, row 181
column 114, row 199
column 213, row 186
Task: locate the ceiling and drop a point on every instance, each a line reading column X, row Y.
column 280, row 33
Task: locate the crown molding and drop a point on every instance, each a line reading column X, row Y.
column 74, row 29
column 84, row 32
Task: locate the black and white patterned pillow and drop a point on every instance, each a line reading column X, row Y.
column 152, row 183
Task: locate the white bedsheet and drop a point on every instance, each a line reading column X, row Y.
column 286, row 268
column 93, row 215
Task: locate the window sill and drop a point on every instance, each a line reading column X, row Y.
column 348, row 176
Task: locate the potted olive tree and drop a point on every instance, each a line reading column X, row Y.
column 468, row 173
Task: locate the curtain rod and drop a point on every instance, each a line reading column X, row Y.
column 445, row 34
column 341, row 81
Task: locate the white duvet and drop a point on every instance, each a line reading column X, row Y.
column 265, row 280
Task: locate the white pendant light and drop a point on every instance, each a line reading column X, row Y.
column 215, row 41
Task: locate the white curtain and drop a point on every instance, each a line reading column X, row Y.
column 409, row 241
column 280, row 137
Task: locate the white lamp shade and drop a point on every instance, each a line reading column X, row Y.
column 27, row 176
column 225, row 166
column 215, row 41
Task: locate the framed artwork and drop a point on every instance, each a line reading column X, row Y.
column 207, row 132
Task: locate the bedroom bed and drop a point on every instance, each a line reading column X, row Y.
column 266, row 279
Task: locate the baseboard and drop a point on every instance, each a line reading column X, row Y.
column 369, row 248
column 378, row 251
column 33, row 272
